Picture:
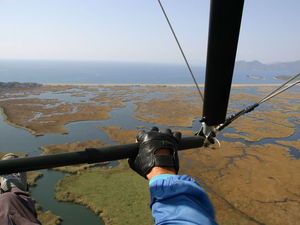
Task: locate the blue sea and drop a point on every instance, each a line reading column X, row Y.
column 84, row 72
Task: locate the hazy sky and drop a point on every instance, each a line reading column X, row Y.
column 135, row 30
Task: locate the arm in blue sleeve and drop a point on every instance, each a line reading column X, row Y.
column 179, row 199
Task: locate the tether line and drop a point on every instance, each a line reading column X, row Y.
column 180, row 48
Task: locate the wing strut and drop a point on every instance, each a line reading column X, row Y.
column 224, row 28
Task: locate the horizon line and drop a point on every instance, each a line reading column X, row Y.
column 201, row 63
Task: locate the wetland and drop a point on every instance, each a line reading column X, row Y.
column 253, row 178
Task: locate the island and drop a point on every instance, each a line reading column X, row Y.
column 254, row 76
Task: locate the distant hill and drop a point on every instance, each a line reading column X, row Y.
column 282, row 67
column 17, row 85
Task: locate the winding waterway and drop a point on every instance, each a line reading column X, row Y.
column 13, row 139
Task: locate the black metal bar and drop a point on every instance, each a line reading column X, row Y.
column 224, row 28
column 90, row 155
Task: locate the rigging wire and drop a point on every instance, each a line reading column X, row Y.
column 280, row 91
column 180, row 48
column 278, row 88
column 274, row 93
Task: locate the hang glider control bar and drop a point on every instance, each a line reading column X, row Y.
column 89, row 155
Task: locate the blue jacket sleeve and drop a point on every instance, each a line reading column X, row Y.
column 179, row 199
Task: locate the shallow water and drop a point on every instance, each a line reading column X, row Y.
column 71, row 213
column 14, row 139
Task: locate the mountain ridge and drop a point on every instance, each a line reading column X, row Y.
column 279, row 67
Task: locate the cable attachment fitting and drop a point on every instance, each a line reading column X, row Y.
column 234, row 116
column 209, row 132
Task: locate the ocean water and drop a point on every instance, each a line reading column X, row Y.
column 114, row 72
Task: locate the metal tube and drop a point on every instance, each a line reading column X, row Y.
column 90, row 155
column 224, row 28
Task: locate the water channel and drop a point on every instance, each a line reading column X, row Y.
column 13, row 139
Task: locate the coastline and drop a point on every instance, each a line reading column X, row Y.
column 153, row 85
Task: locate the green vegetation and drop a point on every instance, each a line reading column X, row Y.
column 118, row 195
column 47, row 217
column 32, row 176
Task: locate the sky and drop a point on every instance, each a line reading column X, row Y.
column 136, row 31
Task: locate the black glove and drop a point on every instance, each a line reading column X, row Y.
column 150, row 142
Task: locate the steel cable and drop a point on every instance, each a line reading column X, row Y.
column 278, row 92
column 181, row 50
column 250, row 108
column 278, row 88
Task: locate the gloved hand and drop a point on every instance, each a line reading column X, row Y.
column 150, row 143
